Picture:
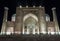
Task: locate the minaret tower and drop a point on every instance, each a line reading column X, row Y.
column 4, row 20
column 55, row 19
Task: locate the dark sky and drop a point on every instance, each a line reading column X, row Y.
column 12, row 4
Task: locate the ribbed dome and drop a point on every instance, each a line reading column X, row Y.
column 47, row 17
column 13, row 17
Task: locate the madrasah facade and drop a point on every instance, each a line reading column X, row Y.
column 30, row 20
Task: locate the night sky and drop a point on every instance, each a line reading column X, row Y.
column 12, row 4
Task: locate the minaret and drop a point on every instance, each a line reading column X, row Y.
column 55, row 19
column 4, row 21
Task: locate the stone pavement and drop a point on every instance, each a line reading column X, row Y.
column 30, row 38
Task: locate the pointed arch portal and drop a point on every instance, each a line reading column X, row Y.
column 30, row 23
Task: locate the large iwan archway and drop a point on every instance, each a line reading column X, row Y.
column 30, row 23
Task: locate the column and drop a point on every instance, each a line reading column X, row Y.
column 33, row 30
column 38, row 31
column 23, row 30
column 27, row 30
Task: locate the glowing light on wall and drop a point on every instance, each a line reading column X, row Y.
column 34, row 31
column 8, row 33
column 17, row 32
column 52, row 33
column 10, row 30
column 2, row 33
column 44, row 32
column 59, row 33
column 42, row 27
column 23, row 30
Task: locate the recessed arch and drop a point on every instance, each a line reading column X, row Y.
column 29, row 23
column 30, row 15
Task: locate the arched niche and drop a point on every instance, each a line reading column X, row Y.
column 30, row 22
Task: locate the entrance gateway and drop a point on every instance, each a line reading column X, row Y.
column 30, row 24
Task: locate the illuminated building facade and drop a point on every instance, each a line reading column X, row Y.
column 30, row 20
